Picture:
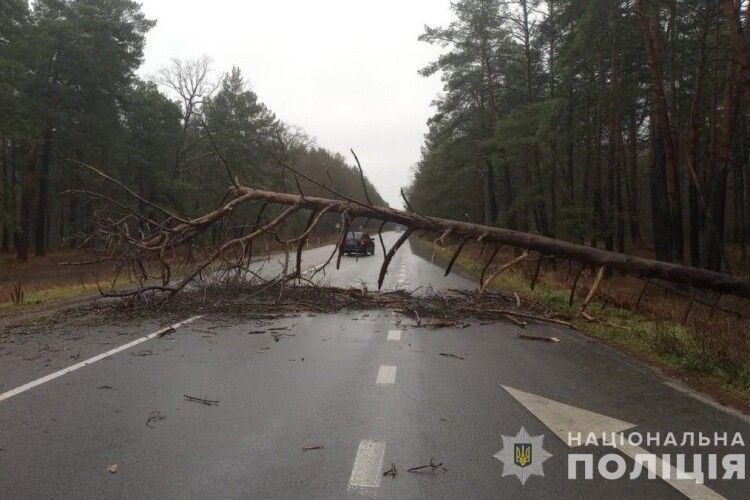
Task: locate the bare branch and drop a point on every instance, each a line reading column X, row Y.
column 389, row 256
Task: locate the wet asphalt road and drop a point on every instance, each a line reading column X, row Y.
column 334, row 381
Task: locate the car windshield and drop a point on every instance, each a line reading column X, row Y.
column 355, row 236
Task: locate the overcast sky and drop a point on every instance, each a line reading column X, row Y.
column 343, row 70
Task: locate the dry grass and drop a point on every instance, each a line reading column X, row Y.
column 44, row 280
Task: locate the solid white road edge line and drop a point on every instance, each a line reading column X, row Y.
column 386, row 375
column 394, row 335
column 90, row 361
column 367, row 464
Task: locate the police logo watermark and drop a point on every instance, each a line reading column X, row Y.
column 522, row 455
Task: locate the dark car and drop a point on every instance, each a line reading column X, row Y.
column 357, row 243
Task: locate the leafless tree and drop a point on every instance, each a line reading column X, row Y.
column 191, row 82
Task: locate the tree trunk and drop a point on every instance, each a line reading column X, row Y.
column 27, row 198
column 596, row 178
column 490, row 196
column 40, row 239
column 738, row 184
column 660, row 218
column 631, row 185
column 644, row 268
column 712, row 237
column 6, row 196
column 695, row 186
column 746, row 195
column 509, row 198
column 652, row 35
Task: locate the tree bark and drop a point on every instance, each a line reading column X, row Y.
column 631, row 185
column 21, row 239
column 6, row 195
column 661, row 225
column 490, row 217
column 652, row 35
column 712, row 236
column 40, row 238
column 644, row 268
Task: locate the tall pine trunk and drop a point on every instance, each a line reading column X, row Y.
column 40, row 237
column 631, row 185
column 712, row 237
column 5, row 191
column 660, row 218
column 652, row 35
column 23, row 233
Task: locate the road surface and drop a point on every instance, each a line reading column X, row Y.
column 365, row 389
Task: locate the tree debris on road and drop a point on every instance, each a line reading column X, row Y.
column 166, row 331
column 449, row 355
column 432, row 466
column 553, row 340
column 154, row 416
column 204, row 401
column 130, row 239
column 142, row 353
column 313, row 447
column 392, row 472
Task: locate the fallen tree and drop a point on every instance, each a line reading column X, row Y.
column 172, row 231
column 644, row 268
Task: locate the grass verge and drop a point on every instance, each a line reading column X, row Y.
column 50, row 295
column 43, row 281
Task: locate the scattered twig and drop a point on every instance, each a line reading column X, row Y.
column 204, row 401
column 432, row 466
column 392, row 472
column 154, row 416
column 516, row 321
column 166, row 331
column 449, row 355
column 537, row 338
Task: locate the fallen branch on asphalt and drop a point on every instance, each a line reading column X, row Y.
column 432, row 466
column 449, row 355
column 432, row 311
column 391, row 472
column 553, row 340
column 153, row 417
column 204, row 401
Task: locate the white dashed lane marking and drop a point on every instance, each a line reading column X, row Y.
column 394, row 335
column 367, row 464
column 386, row 375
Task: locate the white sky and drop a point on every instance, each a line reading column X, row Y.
column 343, row 70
